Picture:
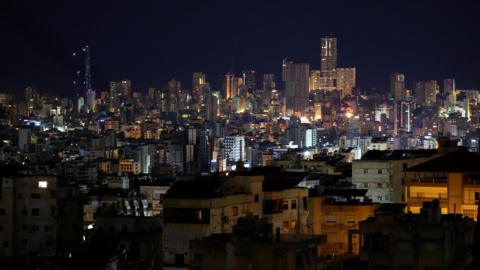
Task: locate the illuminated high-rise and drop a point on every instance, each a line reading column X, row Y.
column 234, row 149
column 237, row 84
column 328, row 63
column 328, row 54
column 406, row 108
column 397, row 86
column 82, row 70
column 227, row 85
column 426, row 92
column 119, row 90
column 198, row 81
column 198, row 85
column 346, row 80
column 296, row 87
column 314, row 80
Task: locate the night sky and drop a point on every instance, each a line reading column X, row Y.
column 151, row 42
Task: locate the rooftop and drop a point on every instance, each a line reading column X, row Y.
column 397, row 154
column 457, row 161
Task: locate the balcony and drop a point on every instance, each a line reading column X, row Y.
column 421, row 199
column 432, row 181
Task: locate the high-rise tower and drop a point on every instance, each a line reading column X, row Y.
column 82, row 70
column 296, row 87
column 328, row 62
column 228, row 85
column 249, row 79
column 397, row 86
column 328, row 54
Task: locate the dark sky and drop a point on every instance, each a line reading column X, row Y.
column 151, row 42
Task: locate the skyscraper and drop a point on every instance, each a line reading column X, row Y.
column 227, row 85
column 397, row 86
column 234, row 149
column 127, row 88
column 426, row 92
column 346, row 80
column 249, row 79
column 296, row 87
column 198, row 81
column 328, row 63
column 328, row 54
column 449, row 92
column 314, row 80
column 237, row 84
column 268, row 87
column 406, row 116
column 119, row 90
column 82, row 70
column 269, row 82
column 448, row 86
column 198, row 85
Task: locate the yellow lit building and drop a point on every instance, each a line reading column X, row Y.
column 453, row 179
column 130, row 166
column 337, row 213
column 346, row 80
column 314, row 80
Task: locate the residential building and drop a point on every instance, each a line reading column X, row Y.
column 381, row 172
column 452, row 178
column 428, row 240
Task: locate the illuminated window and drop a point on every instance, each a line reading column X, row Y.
column 285, row 205
column 42, row 184
column 285, row 227
column 293, row 225
column 235, row 211
column 199, row 215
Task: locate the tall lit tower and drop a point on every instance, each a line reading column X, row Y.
column 82, row 70
column 227, row 84
column 397, row 86
column 328, row 61
column 198, row 85
column 296, row 87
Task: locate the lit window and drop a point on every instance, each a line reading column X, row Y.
column 199, row 215
column 42, row 184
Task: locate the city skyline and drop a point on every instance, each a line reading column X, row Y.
column 164, row 48
column 176, row 135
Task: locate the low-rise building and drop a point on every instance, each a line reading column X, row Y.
column 40, row 216
column 452, row 178
column 337, row 214
column 253, row 246
column 381, row 172
column 429, row 240
column 194, row 209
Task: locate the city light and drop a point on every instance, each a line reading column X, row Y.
column 42, row 184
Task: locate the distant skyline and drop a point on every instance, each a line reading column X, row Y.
column 150, row 42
